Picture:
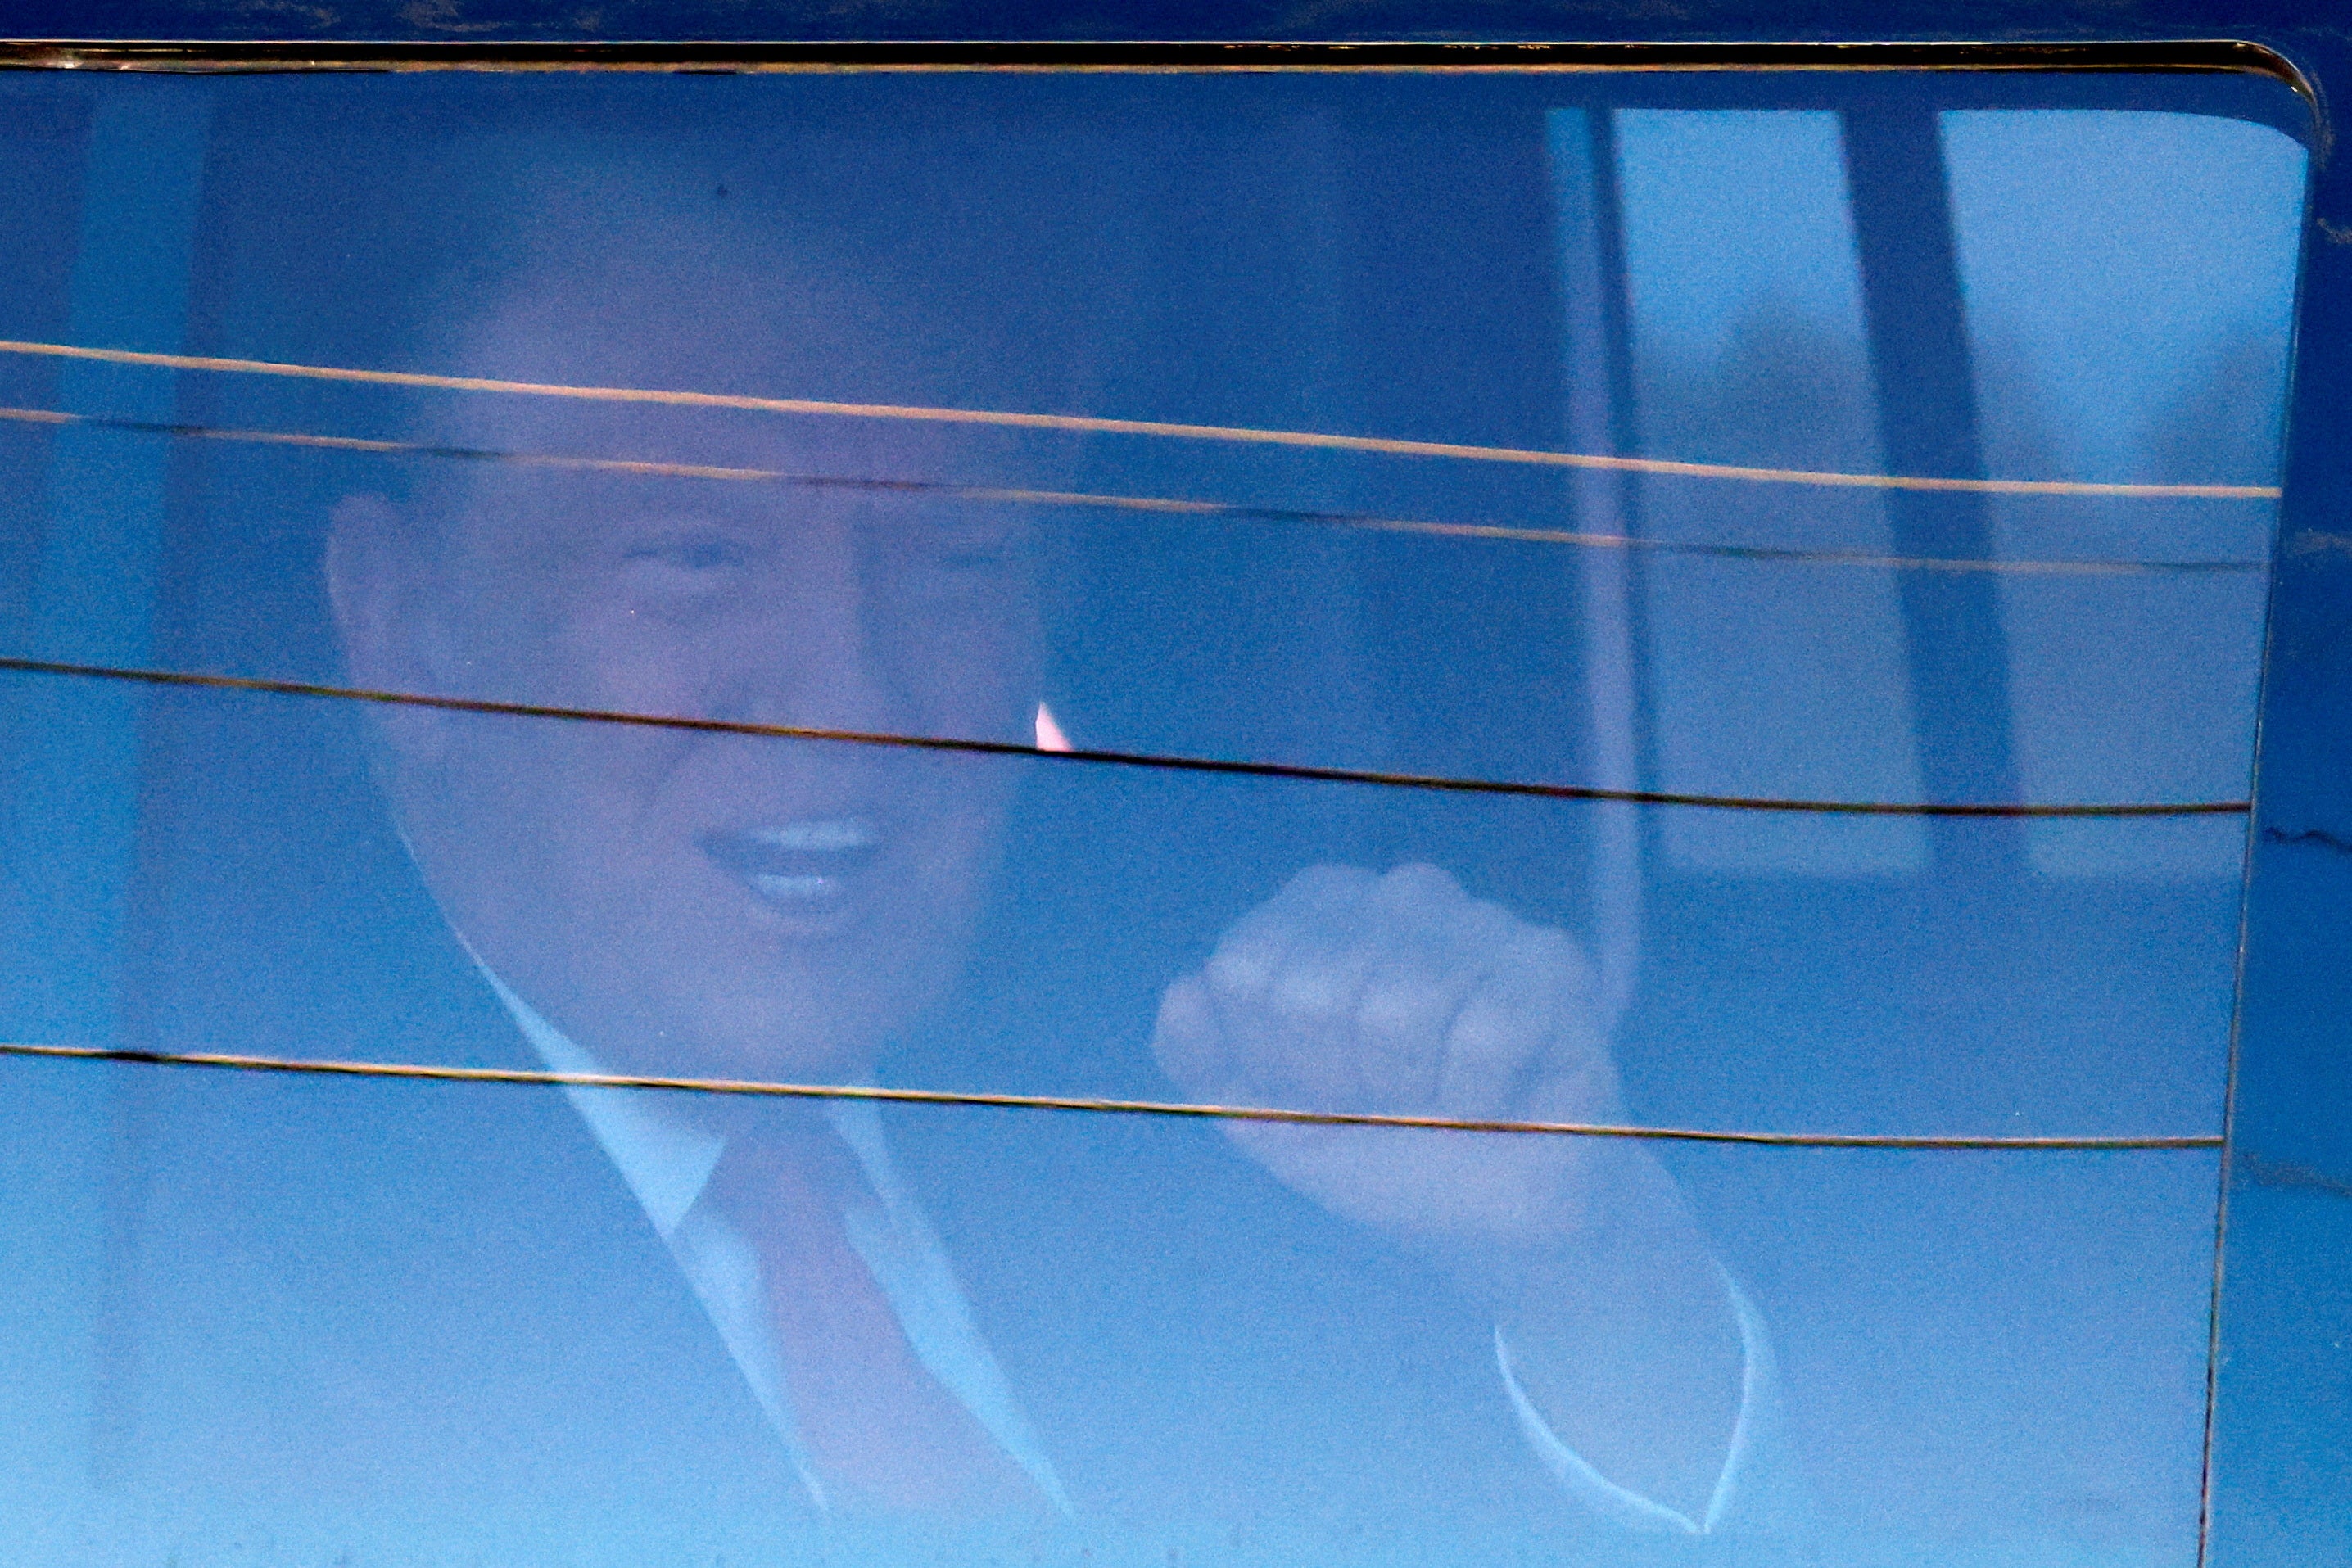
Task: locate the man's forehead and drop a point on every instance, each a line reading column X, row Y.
column 623, row 446
column 573, row 338
column 666, row 269
column 725, row 323
column 807, row 494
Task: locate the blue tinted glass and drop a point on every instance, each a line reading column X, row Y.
column 1771, row 677
column 1525, row 572
column 2127, row 332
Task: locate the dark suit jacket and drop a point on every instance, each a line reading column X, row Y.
column 440, row 1303
column 302, row 1319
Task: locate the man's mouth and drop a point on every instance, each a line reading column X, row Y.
column 801, row 869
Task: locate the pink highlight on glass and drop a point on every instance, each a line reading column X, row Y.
column 1049, row 734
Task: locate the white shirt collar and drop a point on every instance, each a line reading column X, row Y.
column 666, row 1162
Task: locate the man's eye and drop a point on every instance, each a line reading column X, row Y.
column 970, row 549
column 971, row 556
column 691, row 554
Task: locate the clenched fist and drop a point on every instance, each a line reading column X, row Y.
column 1400, row 994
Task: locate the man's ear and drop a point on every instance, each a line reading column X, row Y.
column 390, row 621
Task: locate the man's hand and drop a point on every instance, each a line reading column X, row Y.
column 1400, row 994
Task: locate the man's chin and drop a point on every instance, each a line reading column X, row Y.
column 768, row 1049
column 751, row 1019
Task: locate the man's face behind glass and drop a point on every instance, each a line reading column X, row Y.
column 677, row 900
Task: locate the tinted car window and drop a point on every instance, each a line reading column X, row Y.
column 1451, row 606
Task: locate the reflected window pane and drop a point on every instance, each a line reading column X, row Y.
column 1749, row 349
column 2130, row 303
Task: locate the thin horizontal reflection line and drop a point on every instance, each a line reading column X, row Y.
column 1089, row 425
column 413, row 1071
column 1151, row 504
column 184, row 678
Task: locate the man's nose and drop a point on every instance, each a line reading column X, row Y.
column 809, row 660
